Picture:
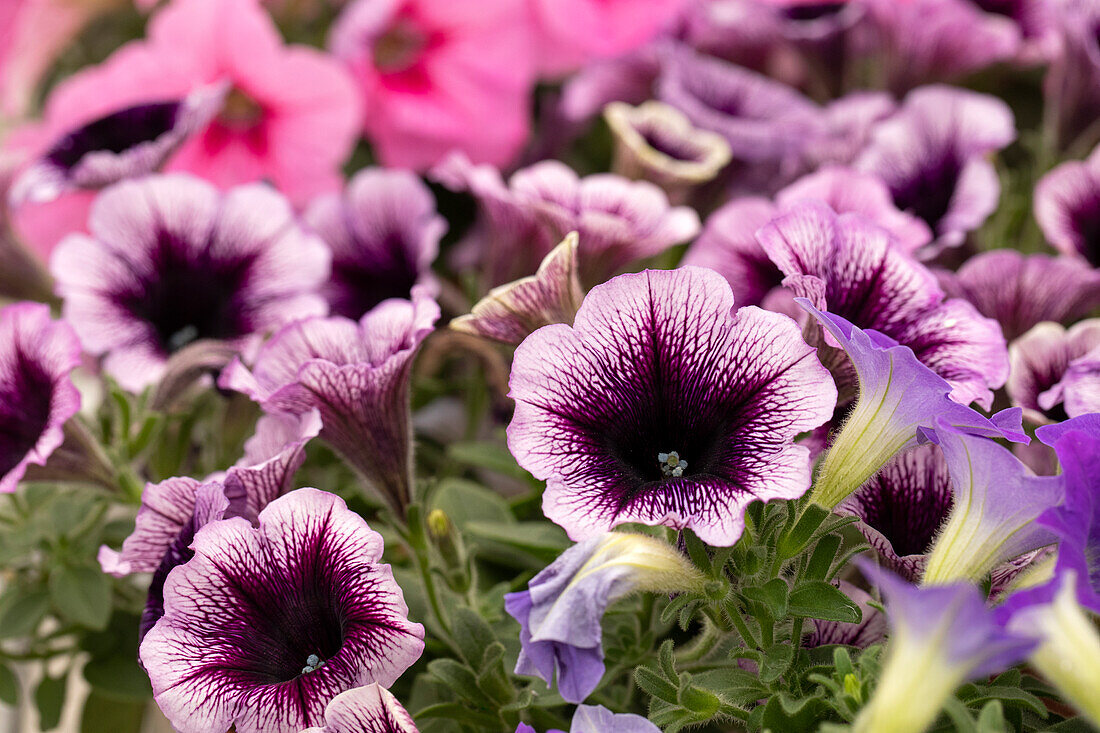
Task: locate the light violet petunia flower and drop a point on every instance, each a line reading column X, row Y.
column 1037, row 21
column 560, row 612
column 172, row 260
column 1067, row 207
column 1019, row 291
column 510, row 313
column 932, row 155
column 924, row 41
column 357, row 375
column 598, row 719
column 762, row 119
column 850, row 267
column 1071, row 88
column 384, row 233
column 439, row 76
column 899, row 403
column 1043, row 378
column 663, row 405
column 37, row 396
column 847, row 124
column 306, row 611
column 1081, row 384
column 945, row 632
column 997, row 500
column 129, row 143
column 368, row 709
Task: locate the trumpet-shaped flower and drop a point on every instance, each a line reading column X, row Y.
column 899, row 403
column 1067, row 207
column 560, row 612
column 657, row 363
column 939, row 638
column 598, row 719
column 368, row 709
column 172, row 260
column 305, row 611
column 1049, row 371
column 37, row 396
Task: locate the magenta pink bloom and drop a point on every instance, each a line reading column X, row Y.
column 665, row 405
column 172, row 260
column 37, row 395
column 1067, row 207
column 437, row 76
column 384, row 233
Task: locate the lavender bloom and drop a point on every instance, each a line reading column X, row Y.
column 369, row 709
column 560, row 612
column 305, row 612
column 663, row 405
column 126, row 144
column 996, row 502
column 1081, row 384
column 728, row 246
column 1067, row 207
column 598, row 719
column 871, row 628
column 1047, row 364
column 628, row 78
column 899, row 402
column 1071, row 88
column 762, row 119
column 939, row 40
column 510, row 313
column 1039, row 37
column 37, row 396
column 851, row 268
column 946, row 633
column 932, row 156
column 384, row 232
column 357, row 376
column 847, row 125
column 1019, row 291
column 172, row 260
column 271, row 457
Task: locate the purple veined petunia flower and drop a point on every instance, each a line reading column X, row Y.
column 356, row 374
column 852, row 269
column 368, row 709
column 598, row 719
column 560, row 612
column 847, row 124
column 924, row 41
column 657, row 143
column 272, row 456
column 945, row 632
column 871, row 628
column 932, row 157
column 1071, row 88
column 665, row 406
column 510, row 313
column 37, row 395
column 762, row 119
column 1041, row 379
column 384, row 233
column 899, row 402
column 1019, row 291
column 305, row 611
column 1067, row 207
column 856, row 192
column 1039, row 37
column 129, row 143
column 171, row 260
column 1081, row 384
column 997, row 500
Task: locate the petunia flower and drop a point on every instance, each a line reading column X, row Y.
column 939, row 638
column 560, row 612
column 1071, row 88
column 271, row 457
column 37, row 396
column 384, row 233
column 992, row 520
column 932, row 156
column 899, row 403
column 129, row 143
column 851, row 268
column 1019, row 291
column 598, row 719
column 659, row 364
column 171, row 260
column 305, row 611
column 436, row 77
column 847, row 124
column 1067, row 207
column 1081, row 384
column 1039, row 35
column 368, row 709
column 510, row 313
column 356, row 374
column 1047, row 366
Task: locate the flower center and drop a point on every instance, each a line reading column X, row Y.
column 671, row 464
column 313, row 663
column 399, row 48
column 240, row 111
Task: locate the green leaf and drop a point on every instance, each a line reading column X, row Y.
column 463, row 501
column 23, row 612
column 790, row 715
column 540, row 539
column 733, row 685
column 488, row 455
column 656, row 685
column 460, row 680
column 459, row 713
column 118, row 677
column 792, row 542
column 81, row 594
column 775, row 661
column 822, row 558
column 472, row 634
column 1013, row 696
column 992, row 719
column 9, row 686
column 49, row 698
column 820, row 600
column 773, row 596
column 697, row 550
column 103, row 713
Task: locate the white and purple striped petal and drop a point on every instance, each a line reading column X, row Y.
column 369, row 709
column 271, row 457
column 728, row 246
column 1044, row 379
